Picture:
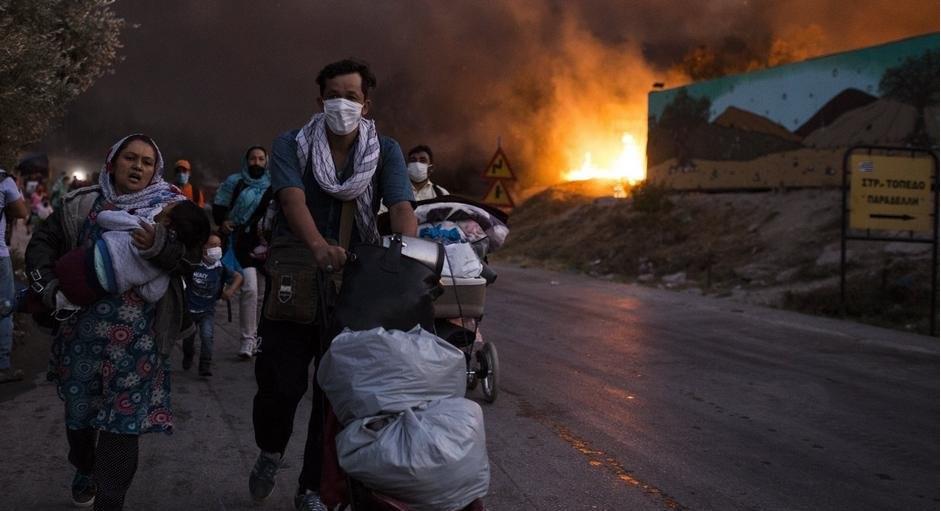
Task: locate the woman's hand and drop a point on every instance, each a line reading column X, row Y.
column 143, row 238
column 227, row 227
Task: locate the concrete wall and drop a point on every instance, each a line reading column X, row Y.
column 790, row 125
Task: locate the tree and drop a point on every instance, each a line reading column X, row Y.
column 914, row 82
column 50, row 52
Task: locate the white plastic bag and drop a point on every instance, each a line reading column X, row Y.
column 378, row 371
column 461, row 261
column 433, row 458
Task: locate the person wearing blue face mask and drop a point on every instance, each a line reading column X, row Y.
column 184, row 172
column 336, row 162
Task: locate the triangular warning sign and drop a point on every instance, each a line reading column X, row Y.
column 498, row 196
column 499, row 167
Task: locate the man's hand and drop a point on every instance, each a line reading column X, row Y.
column 227, row 293
column 329, row 258
column 227, row 227
column 402, row 219
column 143, row 238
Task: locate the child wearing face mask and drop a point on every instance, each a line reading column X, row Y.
column 210, row 281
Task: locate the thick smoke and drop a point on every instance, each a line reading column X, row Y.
column 550, row 78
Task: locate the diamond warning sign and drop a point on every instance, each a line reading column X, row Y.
column 499, row 167
column 498, row 196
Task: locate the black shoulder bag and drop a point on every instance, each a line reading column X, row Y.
column 392, row 285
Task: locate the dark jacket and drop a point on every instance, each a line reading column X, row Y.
column 59, row 233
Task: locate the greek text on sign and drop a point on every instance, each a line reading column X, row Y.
column 498, row 196
column 891, row 193
column 499, row 167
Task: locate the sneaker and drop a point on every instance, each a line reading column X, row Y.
column 8, row 375
column 83, row 490
column 204, row 369
column 309, row 501
column 248, row 347
column 262, row 480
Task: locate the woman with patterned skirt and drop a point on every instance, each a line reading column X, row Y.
column 109, row 359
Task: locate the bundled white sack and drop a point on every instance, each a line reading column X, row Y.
column 461, row 261
column 434, row 458
column 371, row 372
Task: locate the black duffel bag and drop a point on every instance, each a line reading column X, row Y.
column 393, row 285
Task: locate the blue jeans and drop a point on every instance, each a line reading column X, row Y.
column 7, row 293
column 204, row 323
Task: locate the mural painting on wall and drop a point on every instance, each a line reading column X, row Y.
column 791, row 125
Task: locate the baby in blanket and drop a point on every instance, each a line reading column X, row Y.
column 113, row 265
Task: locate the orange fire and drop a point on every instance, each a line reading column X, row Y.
column 629, row 165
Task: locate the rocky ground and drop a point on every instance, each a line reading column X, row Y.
column 780, row 249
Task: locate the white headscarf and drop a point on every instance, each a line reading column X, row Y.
column 147, row 202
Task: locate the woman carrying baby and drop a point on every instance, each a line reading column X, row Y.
column 109, row 359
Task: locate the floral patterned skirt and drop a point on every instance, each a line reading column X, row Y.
column 109, row 371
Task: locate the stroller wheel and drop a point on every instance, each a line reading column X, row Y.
column 473, row 366
column 489, row 368
column 471, row 382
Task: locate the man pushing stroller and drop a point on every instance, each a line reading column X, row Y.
column 336, row 162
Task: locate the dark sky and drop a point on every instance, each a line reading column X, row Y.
column 209, row 78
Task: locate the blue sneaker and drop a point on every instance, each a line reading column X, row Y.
column 83, row 490
column 309, row 501
column 262, row 480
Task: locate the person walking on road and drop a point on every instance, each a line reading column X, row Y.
column 239, row 206
column 184, row 171
column 337, row 158
column 110, row 359
column 12, row 207
column 420, row 167
column 209, row 281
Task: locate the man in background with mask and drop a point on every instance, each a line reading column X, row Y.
column 238, row 208
column 420, row 167
column 336, row 158
column 184, row 171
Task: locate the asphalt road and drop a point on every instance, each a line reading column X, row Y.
column 622, row 397
column 611, row 397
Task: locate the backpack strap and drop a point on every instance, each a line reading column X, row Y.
column 236, row 192
column 439, row 192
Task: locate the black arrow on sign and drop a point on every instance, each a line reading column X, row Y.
column 892, row 217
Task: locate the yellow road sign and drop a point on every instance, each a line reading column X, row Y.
column 498, row 196
column 892, row 193
column 499, row 167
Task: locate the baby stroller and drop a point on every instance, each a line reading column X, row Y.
column 469, row 231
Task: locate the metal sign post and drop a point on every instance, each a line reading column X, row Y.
column 893, row 191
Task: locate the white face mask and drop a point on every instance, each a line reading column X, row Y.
column 417, row 171
column 343, row 115
column 213, row 255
